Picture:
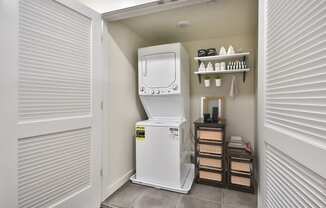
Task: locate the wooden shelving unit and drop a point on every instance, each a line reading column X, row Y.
column 210, row 153
column 240, row 170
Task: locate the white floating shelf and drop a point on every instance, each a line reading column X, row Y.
column 222, row 72
column 221, row 57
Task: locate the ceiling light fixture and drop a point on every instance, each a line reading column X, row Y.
column 183, row 24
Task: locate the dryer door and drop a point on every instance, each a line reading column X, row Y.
column 159, row 70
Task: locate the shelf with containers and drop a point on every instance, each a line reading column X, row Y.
column 238, row 57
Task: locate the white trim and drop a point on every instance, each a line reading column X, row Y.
column 97, row 95
column 30, row 129
column 80, row 8
column 8, row 102
column 149, row 8
column 108, row 191
column 260, row 105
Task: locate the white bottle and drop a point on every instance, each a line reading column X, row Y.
column 231, row 50
column 209, row 67
column 201, row 67
column 217, row 66
column 222, row 51
column 222, row 66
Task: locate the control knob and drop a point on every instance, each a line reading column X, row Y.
column 175, row 87
column 158, row 91
column 152, row 92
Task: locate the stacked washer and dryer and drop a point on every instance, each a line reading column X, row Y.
column 163, row 143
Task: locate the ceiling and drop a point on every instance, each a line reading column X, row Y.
column 209, row 20
column 103, row 6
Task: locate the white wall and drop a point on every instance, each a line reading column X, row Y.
column 239, row 112
column 122, row 107
column 103, row 6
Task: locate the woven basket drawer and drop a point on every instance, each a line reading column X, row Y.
column 212, row 162
column 240, row 166
column 243, row 181
column 207, row 175
column 210, row 135
column 212, row 149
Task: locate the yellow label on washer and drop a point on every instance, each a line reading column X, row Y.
column 140, row 133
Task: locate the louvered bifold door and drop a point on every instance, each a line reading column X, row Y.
column 292, row 103
column 57, row 106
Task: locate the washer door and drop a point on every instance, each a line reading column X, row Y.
column 159, row 70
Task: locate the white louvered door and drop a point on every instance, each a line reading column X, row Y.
column 292, row 104
column 50, row 100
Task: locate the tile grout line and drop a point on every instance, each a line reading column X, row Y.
column 207, row 200
column 179, row 201
column 141, row 194
column 222, row 199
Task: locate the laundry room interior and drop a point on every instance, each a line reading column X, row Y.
column 163, row 104
column 224, row 23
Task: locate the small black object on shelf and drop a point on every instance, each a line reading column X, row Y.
column 207, row 118
column 211, row 52
column 202, row 52
column 215, row 114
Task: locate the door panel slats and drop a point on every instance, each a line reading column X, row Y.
column 54, row 61
column 295, row 90
column 52, row 166
column 292, row 184
column 294, row 102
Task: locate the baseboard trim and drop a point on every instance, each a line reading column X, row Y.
column 108, row 191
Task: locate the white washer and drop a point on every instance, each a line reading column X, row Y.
column 162, row 141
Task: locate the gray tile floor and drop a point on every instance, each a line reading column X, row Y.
column 201, row 196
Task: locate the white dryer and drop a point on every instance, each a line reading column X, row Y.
column 163, row 141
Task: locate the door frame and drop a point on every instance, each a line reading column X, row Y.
column 148, row 8
column 8, row 102
column 260, row 104
column 98, row 94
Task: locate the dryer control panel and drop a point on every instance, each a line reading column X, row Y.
column 173, row 89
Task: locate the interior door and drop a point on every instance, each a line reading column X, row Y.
column 292, row 103
column 50, row 104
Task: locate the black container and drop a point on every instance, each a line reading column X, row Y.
column 215, row 114
column 211, row 52
column 207, row 118
column 202, row 52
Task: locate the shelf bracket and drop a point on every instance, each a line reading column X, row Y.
column 244, row 73
column 244, row 77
